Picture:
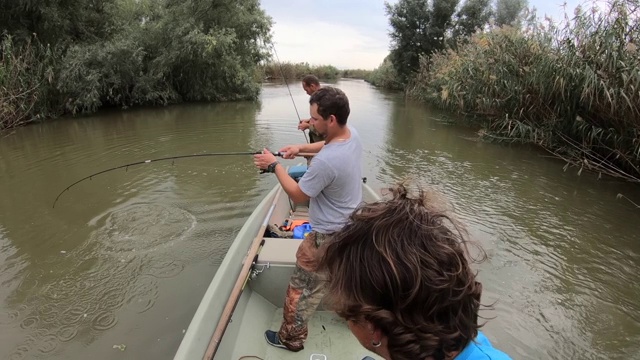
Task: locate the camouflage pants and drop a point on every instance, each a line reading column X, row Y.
column 306, row 289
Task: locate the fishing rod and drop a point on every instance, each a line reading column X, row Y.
column 126, row 166
column 291, row 96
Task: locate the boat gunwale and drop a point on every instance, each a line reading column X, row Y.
column 200, row 330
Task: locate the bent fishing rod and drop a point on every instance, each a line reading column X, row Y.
column 291, row 96
column 126, row 166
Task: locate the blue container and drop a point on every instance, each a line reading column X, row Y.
column 296, row 172
column 300, row 231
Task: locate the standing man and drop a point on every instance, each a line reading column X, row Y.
column 310, row 84
column 333, row 187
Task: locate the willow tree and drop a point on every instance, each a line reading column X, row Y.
column 57, row 22
column 418, row 28
column 81, row 55
column 170, row 51
column 213, row 47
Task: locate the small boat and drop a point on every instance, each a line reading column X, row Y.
column 246, row 296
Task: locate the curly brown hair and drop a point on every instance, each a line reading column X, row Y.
column 403, row 266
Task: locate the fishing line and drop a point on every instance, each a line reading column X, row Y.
column 126, row 166
column 291, row 96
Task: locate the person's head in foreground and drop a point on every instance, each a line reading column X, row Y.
column 399, row 274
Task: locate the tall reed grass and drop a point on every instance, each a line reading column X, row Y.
column 573, row 89
column 27, row 93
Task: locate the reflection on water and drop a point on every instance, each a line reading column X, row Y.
column 124, row 259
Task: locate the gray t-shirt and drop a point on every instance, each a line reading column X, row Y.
column 333, row 181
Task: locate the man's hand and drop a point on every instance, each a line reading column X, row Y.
column 289, row 151
column 263, row 160
column 304, row 125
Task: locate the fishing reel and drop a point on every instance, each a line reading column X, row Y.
column 276, row 154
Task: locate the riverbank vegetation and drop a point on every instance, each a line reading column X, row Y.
column 356, row 74
column 76, row 57
column 386, row 76
column 296, row 71
column 572, row 88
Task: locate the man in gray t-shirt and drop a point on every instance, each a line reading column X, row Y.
column 333, row 187
column 333, row 183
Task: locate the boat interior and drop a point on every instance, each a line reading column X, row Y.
column 260, row 305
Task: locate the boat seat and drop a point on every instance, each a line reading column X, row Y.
column 278, row 251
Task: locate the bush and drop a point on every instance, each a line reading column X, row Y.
column 27, row 91
column 126, row 53
column 385, row 76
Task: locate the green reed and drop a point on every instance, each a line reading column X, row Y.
column 573, row 89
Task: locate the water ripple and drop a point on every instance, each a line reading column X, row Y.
column 165, row 269
column 74, row 315
column 111, row 298
column 29, row 322
column 9, row 317
column 20, row 352
column 143, row 295
column 143, row 228
column 104, row 320
column 66, row 333
column 47, row 344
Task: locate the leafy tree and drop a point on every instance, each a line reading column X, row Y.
column 57, row 22
column 214, row 47
column 473, row 15
column 508, row 12
column 130, row 52
column 418, row 28
column 385, row 75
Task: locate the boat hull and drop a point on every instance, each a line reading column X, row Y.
column 262, row 298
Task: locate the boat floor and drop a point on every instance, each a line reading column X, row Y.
column 328, row 335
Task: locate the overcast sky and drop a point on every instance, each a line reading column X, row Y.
column 349, row 34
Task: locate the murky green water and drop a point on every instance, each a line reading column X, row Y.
column 125, row 258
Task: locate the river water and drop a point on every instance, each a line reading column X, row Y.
column 117, row 269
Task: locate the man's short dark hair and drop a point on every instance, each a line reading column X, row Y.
column 311, row 80
column 331, row 101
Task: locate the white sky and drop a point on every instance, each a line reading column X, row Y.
column 349, row 34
